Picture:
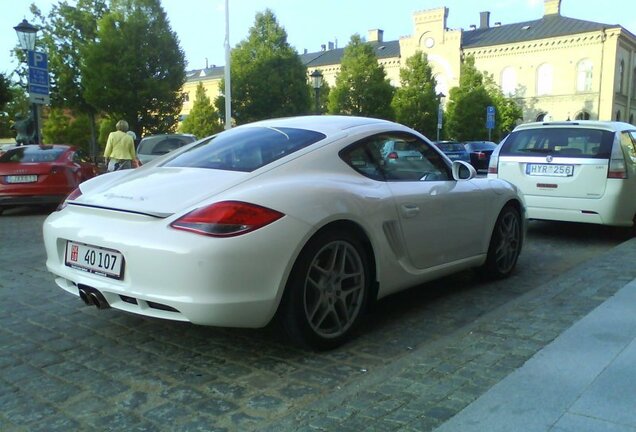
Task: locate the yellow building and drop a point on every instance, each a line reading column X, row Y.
column 557, row 67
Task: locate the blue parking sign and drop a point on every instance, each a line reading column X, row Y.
column 490, row 117
column 37, row 59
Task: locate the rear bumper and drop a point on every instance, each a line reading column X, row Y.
column 24, row 200
column 615, row 208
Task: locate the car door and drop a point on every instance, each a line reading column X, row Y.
column 441, row 218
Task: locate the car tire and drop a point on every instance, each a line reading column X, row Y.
column 505, row 245
column 327, row 292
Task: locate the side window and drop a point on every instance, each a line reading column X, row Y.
column 397, row 156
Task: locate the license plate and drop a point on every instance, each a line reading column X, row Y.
column 94, row 259
column 550, row 170
column 22, row 178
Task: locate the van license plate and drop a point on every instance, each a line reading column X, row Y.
column 92, row 259
column 550, row 170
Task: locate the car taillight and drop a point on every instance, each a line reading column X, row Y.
column 393, row 155
column 481, row 155
column 617, row 169
column 226, row 219
column 72, row 196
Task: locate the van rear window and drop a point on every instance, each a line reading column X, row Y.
column 564, row 142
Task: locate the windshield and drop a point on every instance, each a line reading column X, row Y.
column 162, row 144
column 245, row 149
column 32, row 154
column 570, row 142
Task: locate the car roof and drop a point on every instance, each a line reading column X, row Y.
column 614, row 126
column 326, row 124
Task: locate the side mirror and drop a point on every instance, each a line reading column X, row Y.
column 463, row 170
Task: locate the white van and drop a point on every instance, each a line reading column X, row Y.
column 580, row 171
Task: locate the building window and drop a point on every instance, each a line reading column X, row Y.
column 631, row 118
column 621, row 76
column 508, row 81
column 186, row 97
column 634, row 84
column 544, row 79
column 541, row 117
column 618, row 115
column 583, row 115
column 584, row 76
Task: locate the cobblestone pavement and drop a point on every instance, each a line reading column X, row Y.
column 421, row 357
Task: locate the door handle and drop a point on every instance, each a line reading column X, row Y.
column 410, row 210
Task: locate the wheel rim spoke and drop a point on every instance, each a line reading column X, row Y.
column 509, row 237
column 334, row 288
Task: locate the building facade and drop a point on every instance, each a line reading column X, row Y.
column 556, row 67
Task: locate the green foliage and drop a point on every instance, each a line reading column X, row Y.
column 203, row 119
column 106, row 126
column 268, row 77
column 5, row 91
column 65, row 33
column 136, row 68
column 415, row 102
column 508, row 111
column 18, row 104
column 61, row 129
column 466, row 110
column 361, row 86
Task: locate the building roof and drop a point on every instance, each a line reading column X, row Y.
column 547, row 27
column 382, row 49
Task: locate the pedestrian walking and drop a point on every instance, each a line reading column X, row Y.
column 120, row 148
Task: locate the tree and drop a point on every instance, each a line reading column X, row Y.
column 18, row 104
column 268, row 78
column 136, row 69
column 508, row 112
column 466, row 110
column 5, row 91
column 59, row 128
column 415, row 102
column 203, row 119
column 66, row 33
column 361, row 86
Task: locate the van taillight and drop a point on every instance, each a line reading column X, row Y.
column 393, row 155
column 617, row 169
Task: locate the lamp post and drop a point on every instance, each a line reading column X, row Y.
column 316, row 83
column 440, row 112
column 26, row 36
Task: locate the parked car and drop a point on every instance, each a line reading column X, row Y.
column 479, row 153
column 580, row 171
column 298, row 218
column 42, row 174
column 454, row 150
column 153, row 146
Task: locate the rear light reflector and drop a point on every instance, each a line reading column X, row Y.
column 72, row 196
column 227, row 219
column 393, row 155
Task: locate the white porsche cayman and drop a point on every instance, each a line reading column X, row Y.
column 301, row 218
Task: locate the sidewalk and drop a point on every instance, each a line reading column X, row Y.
column 585, row 380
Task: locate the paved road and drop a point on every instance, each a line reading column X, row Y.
column 421, row 357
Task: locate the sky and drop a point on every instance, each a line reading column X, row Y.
column 200, row 24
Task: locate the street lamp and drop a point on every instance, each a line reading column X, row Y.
column 26, row 36
column 440, row 112
column 316, row 83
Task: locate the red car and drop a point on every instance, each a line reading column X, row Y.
column 42, row 174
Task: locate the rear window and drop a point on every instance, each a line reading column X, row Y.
column 160, row 145
column 245, row 149
column 32, row 154
column 481, row 146
column 566, row 142
column 450, row 147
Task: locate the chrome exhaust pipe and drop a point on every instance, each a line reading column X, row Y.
column 85, row 297
column 92, row 297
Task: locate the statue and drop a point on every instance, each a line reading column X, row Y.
column 25, row 129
